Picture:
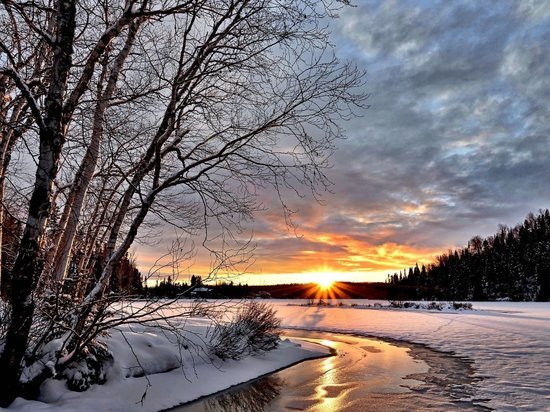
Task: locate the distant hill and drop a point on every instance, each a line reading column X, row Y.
column 339, row 290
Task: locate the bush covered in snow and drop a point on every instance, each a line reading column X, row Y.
column 253, row 329
column 89, row 368
column 462, row 306
column 430, row 306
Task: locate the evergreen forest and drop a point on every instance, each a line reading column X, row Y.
column 513, row 264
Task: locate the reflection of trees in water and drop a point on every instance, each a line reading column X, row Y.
column 253, row 397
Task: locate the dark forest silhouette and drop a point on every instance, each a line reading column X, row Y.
column 512, row 264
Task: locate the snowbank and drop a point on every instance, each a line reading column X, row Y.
column 156, row 373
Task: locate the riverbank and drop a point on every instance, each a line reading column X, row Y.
column 366, row 374
column 152, row 372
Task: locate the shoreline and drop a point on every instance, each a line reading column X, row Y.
column 331, row 352
column 449, row 378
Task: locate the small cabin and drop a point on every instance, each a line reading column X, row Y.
column 201, row 292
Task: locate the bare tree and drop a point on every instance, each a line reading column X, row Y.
column 223, row 97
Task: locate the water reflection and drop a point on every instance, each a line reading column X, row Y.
column 252, row 397
column 330, row 391
column 365, row 374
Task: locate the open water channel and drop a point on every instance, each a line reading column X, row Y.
column 364, row 374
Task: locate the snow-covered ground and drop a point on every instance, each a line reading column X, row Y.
column 509, row 342
column 174, row 375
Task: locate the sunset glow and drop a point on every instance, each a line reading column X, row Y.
column 290, row 259
column 325, row 280
column 429, row 165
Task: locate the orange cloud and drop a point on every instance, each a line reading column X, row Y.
column 282, row 257
column 345, row 257
column 350, row 254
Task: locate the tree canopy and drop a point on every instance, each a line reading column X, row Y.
column 135, row 112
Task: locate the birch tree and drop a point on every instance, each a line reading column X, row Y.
column 224, row 97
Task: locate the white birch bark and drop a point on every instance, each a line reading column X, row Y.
column 79, row 188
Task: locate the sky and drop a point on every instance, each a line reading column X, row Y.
column 455, row 142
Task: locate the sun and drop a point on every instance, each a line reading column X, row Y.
column 326, row 285
column 325, row 280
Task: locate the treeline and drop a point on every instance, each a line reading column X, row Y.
column 125, row 280
column 165, row 288
column 169, row 288
column 512, row 264
column 339, row 290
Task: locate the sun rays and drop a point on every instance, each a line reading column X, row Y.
column 326, row 284
column 325, row 280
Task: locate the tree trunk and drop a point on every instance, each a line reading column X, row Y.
column 12, row 133
column 4, row 159
column 9, row 137
column 28, row 266
column 26, row 271
column 3, row 149
column 113, row 259
column 85, row 173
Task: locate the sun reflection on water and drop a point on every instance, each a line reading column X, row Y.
column 330, row 393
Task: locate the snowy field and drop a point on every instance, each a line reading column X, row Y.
column 509, row 344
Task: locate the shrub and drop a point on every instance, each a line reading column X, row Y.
column 435, row 306
column 463, row 306
column 254, row 329
column 89, row 368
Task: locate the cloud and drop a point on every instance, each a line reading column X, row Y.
column 456, row 140
column 458, row 118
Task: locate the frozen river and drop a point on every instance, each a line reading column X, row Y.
column 364, row 374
